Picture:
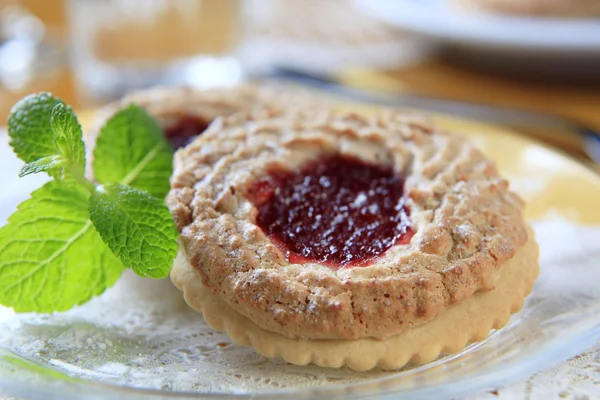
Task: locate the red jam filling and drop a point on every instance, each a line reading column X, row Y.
column 185, row 130
column 338, row 211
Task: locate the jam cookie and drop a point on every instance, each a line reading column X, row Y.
column 335, row 226
column 556, row 8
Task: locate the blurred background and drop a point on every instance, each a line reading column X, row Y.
column 532, row 55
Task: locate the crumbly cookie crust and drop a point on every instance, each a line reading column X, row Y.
column 467, row 223
column 449, row 332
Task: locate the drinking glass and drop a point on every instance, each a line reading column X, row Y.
column 123, row 45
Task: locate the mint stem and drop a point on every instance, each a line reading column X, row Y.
column 81, row 179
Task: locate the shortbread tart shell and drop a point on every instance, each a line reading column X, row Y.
column 449, row 332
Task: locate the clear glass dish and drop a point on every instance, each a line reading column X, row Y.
column 140, row 340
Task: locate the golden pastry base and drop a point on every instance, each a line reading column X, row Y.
column 449, row 332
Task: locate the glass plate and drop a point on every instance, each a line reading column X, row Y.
column 140, row 340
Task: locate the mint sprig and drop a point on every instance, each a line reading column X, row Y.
column 73, row 238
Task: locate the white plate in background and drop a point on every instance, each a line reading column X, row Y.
column 447, row 23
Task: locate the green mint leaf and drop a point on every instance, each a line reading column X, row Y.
column 29, row 130
column 136, row 226
column 51, row 257
column 68, row 136
column 44, row 164
column 131, row 149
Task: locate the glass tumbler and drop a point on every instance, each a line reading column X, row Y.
column 118, row 46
